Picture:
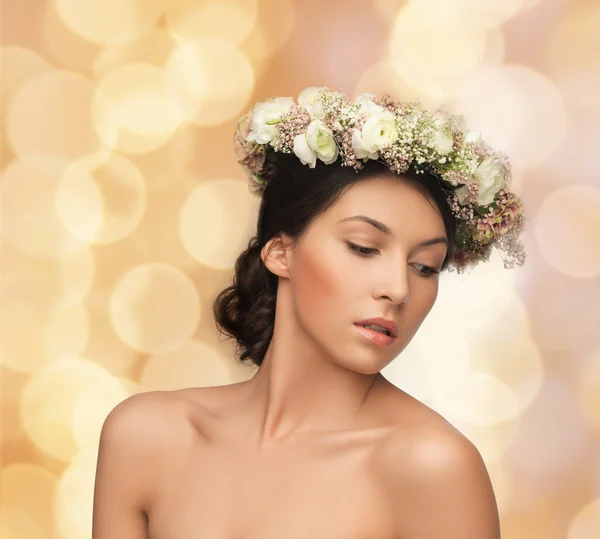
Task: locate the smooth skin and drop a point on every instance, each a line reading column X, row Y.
column 318, row 443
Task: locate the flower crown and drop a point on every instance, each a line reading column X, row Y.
column 328, row 125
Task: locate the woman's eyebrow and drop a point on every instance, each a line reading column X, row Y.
column 386, row 230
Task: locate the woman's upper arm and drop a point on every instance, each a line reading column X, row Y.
column 123, row 482
column 440, row 488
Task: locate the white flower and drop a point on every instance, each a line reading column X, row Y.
column 316, row 142
column 491, row 175
column 442, row 136
column 310, row 97
column 265, row 117
column 378, row 132
column 360, row 148
column 463, row 195
column 366, row 105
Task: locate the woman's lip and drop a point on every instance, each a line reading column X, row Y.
column 389, row 325
column 374, row 336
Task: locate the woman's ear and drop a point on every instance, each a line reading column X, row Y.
column 276, row 255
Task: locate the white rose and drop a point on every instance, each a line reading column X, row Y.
column 304, row 152
column 309, row 98
column 265, row 117
column 366, row 105
column 317, row 142
column 360, row 148
column 378, row 132
column 491, row 175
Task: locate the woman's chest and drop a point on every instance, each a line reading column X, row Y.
column 292, row 495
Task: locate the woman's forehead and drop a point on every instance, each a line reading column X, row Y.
column 387, row 198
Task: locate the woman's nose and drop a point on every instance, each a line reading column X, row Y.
column 396, row 287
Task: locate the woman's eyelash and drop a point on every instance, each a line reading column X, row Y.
column 367, row 251
column 364, row 251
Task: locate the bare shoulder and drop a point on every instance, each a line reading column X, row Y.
column 156, row 418
column 143, row 414
column 143, row 425
column 427, row 446
column 134, row 439
column 437, row 482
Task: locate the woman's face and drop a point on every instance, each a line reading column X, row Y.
column 333, row 286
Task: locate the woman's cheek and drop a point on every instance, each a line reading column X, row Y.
column 320, row 284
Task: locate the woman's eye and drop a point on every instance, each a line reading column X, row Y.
column 427, row 271
column 360, row 250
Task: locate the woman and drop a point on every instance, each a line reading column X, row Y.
column 363, row 204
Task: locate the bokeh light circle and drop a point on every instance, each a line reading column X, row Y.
column 92, row 409
column 478, row 304
column 131, row 111
column 567, row 229
column 101, row 198
column 279, row 25
column 29, row 219
column 109, row 21
column 528, row 118
column 34, row 338
column 50, row 115
column 49, row 400
column 481, row 399
column 17, row 483
column 194, row 364
column 574, row 40
column 568, row 316
column 430, row 368
column 402, row 80
column 552, row 439
column 154, row 308
column 209, row 81
column 578, row 88
column 51, row 284
column 471, row 14
column 513, row 357
column 231, row 20
column 215, row 221
column 18, row 66
column 436, row 46
column 61, row 43
column 17, row 522
column 154, row 47
column 74, row 502
column 104, row 346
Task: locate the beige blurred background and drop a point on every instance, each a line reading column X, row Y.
column 123, row 210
